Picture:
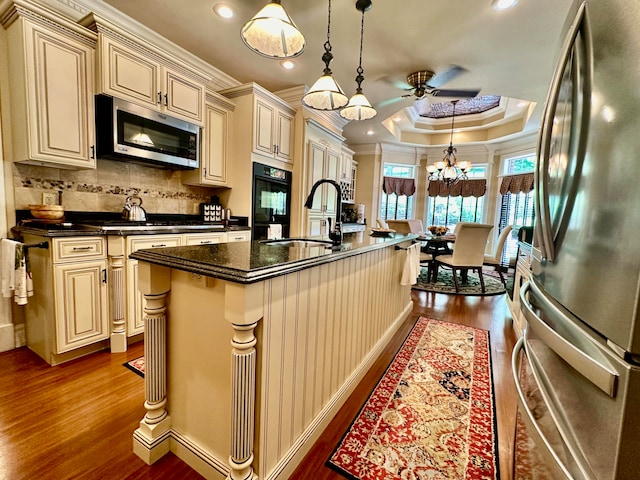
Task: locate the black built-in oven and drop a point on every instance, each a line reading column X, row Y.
column 271, row 200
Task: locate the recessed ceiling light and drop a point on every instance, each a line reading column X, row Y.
column 397, row 119
column 370, row 132
column 223, row 10
column 522, row 104
column 287, row 64
column 503, row 4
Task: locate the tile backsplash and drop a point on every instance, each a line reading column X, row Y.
column 106, row 188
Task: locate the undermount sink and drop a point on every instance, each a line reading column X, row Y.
column 299, row 242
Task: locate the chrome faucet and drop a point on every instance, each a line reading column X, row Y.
column 335, row 232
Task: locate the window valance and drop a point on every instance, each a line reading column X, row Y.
column 399, row 186
column 520, row 183
column 475, row 187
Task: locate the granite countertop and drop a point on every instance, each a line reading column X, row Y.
column 249, row 262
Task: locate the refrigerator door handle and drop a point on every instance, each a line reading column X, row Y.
column 604, row 378
column 533, row 429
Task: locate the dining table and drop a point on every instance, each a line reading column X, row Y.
column 436, row 245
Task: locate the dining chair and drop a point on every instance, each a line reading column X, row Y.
column 495, row 259
column 406, row 226
column 471, row 241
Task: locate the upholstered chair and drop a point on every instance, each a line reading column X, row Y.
column 471, row 241
column 406, row 226
column 493, row 259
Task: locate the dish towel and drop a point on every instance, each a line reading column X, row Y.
column 411, row 268
column 17, row 281
column 274, row 232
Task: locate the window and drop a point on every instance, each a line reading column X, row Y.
column 516, row 204
column 394, row 206
column 453, row 209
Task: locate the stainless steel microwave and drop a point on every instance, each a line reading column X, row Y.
column 130, row 132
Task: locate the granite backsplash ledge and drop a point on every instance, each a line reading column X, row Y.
column 106, row 188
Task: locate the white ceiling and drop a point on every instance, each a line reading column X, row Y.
column 509, row 53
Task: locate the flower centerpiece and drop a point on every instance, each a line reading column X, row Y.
column 437, row 230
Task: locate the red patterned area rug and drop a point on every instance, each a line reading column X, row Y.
column 136, row 365
column 431, row 416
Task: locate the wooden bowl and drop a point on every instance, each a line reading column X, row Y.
column 48, row 212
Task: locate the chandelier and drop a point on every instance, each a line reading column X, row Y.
column 449, row 170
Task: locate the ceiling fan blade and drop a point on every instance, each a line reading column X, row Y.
column 449, row 74
column 391, row 101
column 454, row 93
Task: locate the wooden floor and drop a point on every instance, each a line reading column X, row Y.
column 76, row 420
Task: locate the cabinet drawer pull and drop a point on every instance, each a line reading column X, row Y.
column 82, row 249
column 159, row 245
column 238, row 238
column 205, row 242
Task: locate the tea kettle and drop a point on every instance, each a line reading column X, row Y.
column 133, row 210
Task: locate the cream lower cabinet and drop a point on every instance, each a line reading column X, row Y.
column 238, row 236
column 134, row 299
column 51, row 79
column 522, row 275
column 204, row 238
column 71, row 318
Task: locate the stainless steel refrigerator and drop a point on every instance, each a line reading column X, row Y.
column 582, row 341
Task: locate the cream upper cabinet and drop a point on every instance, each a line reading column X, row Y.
column 263, row 121
column 51, row 81
column 145, row 74
column 346, row 164
column 130, row 74
column 323, row 162
column 216, row 144
column 273, row 131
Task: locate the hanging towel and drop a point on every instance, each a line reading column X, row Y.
column 411, row 268
column 15, row 271
column 275, row 231
column 8, row 266
column 20, row 290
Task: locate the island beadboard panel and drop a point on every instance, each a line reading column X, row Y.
column 317, row 331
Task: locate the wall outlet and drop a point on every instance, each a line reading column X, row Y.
column 49, row 198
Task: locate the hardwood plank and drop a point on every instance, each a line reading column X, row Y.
column 76, row 420
column 489, row 313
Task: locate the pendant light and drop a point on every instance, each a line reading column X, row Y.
column 449, row 170
column 359, row 107
column 272, row 33
column 325, row 93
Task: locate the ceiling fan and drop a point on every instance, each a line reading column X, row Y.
column 426, row 82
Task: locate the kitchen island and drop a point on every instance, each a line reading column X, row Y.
column 252, row 348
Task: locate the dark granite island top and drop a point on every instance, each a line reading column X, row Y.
column 249, row 262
